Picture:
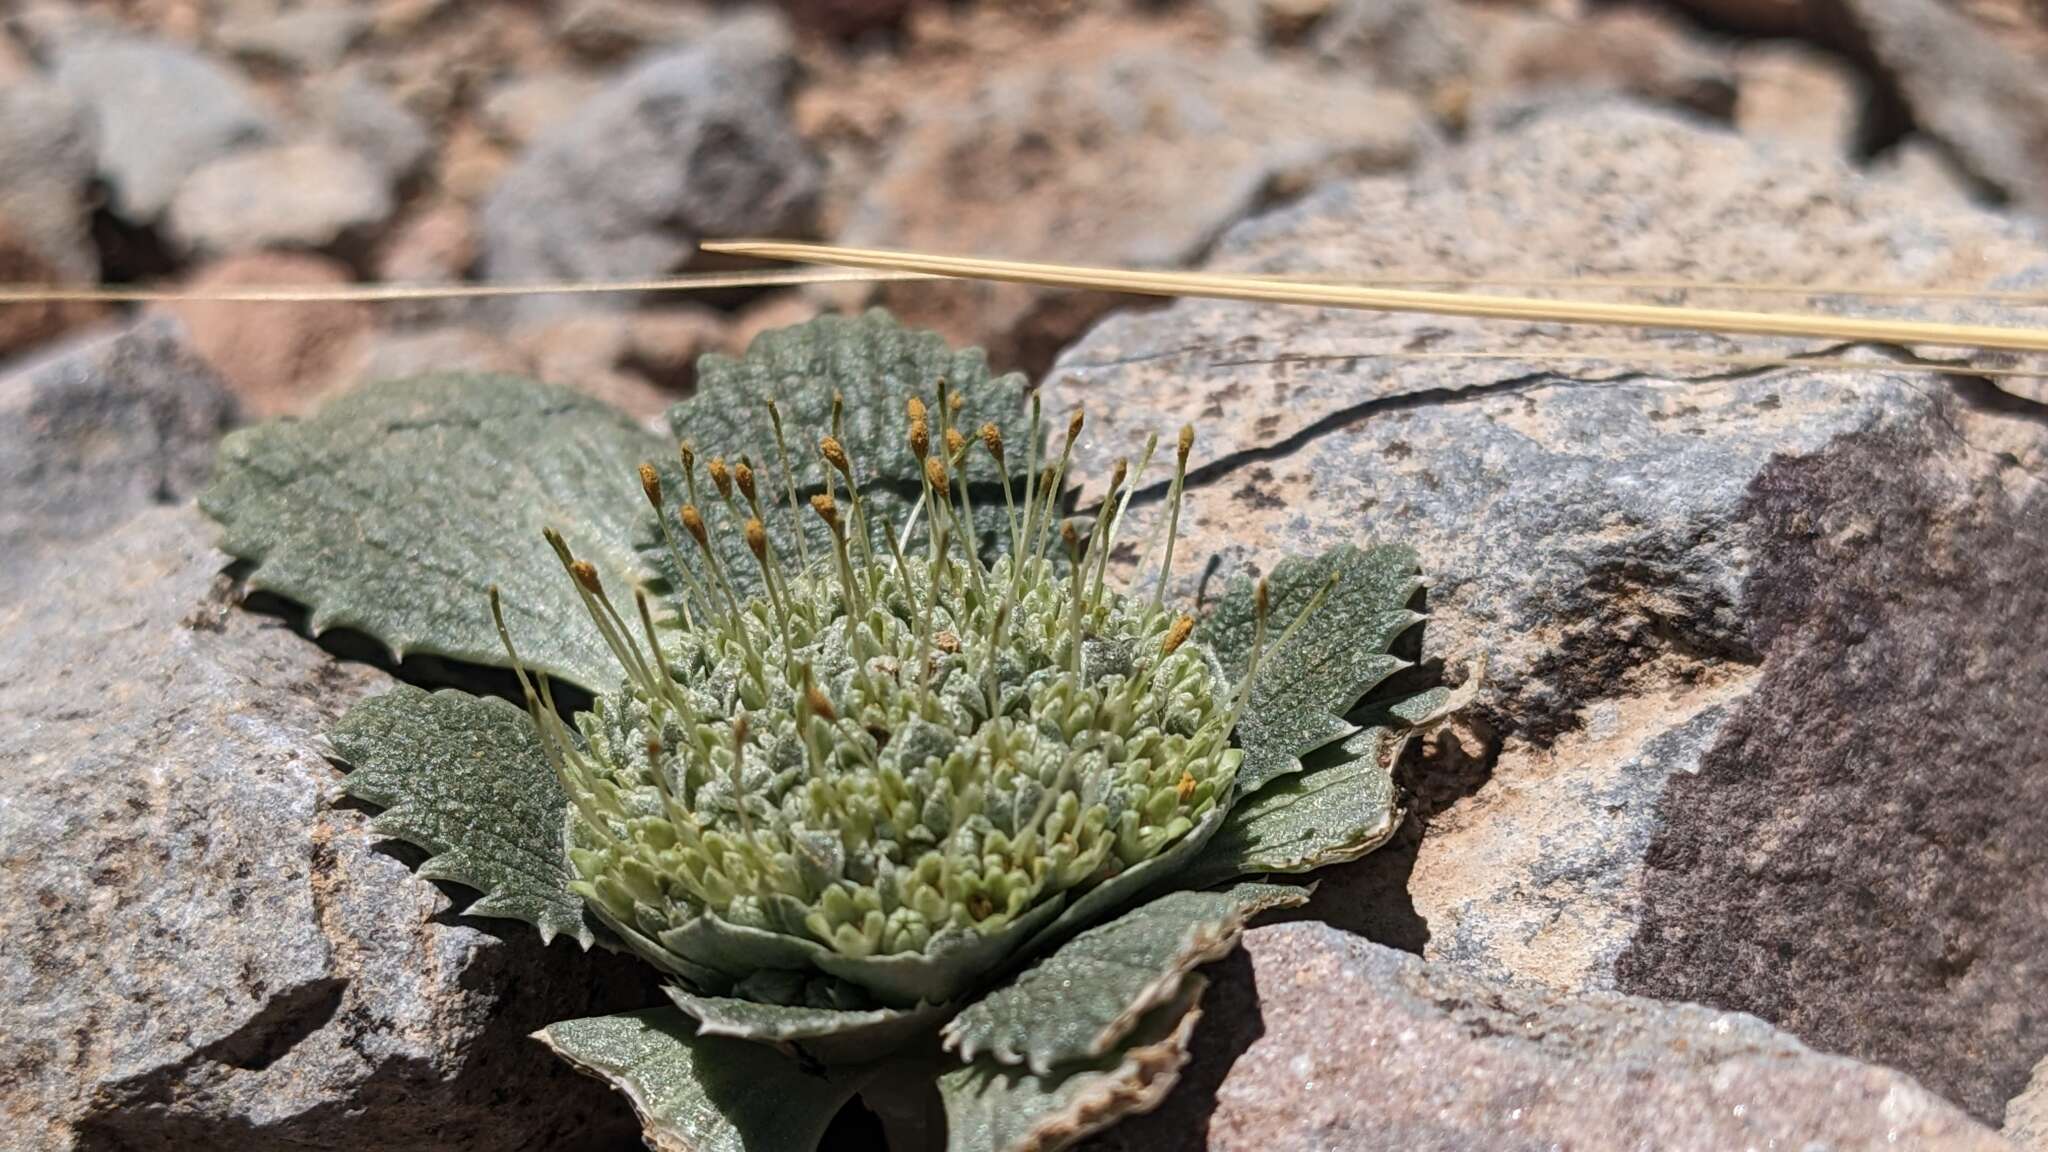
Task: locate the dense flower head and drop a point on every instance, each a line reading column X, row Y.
column 884, row 750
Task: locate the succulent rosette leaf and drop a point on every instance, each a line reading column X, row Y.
column 881, row 769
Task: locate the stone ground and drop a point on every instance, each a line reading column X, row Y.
column 1748, row 824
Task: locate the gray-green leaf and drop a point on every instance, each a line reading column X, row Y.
column 392, row 509
column 463, row 777
column 1079, row 1002
column 696, row 1093
column 1304, row 687
column 830, row 1035
column 1340, row 807
column 993, row 1107
column 877, row 365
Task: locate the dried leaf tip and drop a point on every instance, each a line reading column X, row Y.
column 721, row 477
column 693, row 523
column 992, row 438
column 556, row 542
column 1177, row 635
column 1187, row 442
column 586, row 575
column 757, row 540
column 935, row 472
column 827, row 509
column 835, row 454
column 816, row 701
column 650, row 483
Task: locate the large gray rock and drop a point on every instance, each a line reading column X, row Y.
column 162, row 113
column 1758, row 728
column 46, row 169
column 1331, row 1042
column 1966, row 88
column 206, row 951
column 98, row 429
column 693, row 143
column 1126, row 152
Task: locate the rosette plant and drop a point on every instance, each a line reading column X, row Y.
column 897, row 791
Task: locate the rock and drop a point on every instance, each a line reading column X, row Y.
column 2026, row 1116
column 162, row 113
column 693, row 143
column 1924, row 165
column 300, row 39
column 1738, row 743
column 1792, row 93
column 1410, row 44
column 362, row 116
column 1523, row 58
column 607, row 30
column 523, row 108
column 639, row 362
column 1966, row 89
column 278, row 358
column 1328, row 1041
column 46, row 169
column 391, row 355
column 1108, row 152
column 310, row 195
column 96, row 430
column 213, row 953
column 435, row 243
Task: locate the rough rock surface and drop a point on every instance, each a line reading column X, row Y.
column 1341, row 1043
column 97, row 429
column 162, row 113
column 309, row 195
column 208, row 951
column 1966, row 88
column 46, row 168
column 1118, row 152
column 1741, row 743
column 692, row 143
column 2026, row 1116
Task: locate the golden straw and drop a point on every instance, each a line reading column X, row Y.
column 372, row 293
column 1279, row 291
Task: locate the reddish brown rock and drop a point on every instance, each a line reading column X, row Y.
column 278, row 358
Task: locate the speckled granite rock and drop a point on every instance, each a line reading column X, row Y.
column 206, row 952
column 1757, row 731
column 96, row 429
column 2026, row 1116
column 1323, row 1042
